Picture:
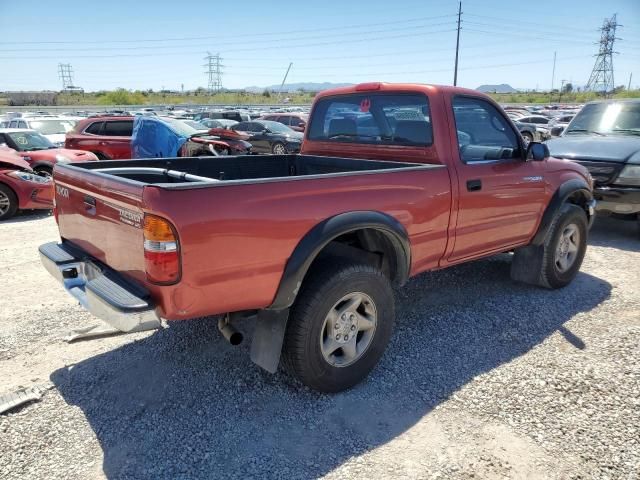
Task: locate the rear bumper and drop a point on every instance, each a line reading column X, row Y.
column 100, row 290
column 623, row 200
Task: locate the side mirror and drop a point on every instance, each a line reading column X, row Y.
column 537, row 151
column 266, row 130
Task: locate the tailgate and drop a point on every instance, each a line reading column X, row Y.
column 103, row 216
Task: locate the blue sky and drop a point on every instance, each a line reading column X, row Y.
column 153, row 44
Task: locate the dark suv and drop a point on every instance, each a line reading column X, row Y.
column 109, row 137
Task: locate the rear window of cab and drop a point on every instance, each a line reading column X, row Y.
column 373, row 118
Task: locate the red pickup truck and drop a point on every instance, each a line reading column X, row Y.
column 392, row 181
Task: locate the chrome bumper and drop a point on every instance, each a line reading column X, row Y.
column 100, row 290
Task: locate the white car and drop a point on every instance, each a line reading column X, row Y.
column 53, row 128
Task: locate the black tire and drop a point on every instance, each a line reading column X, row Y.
column 551, row 276
column 323, row 288
column 8, row 202
column 278, row 148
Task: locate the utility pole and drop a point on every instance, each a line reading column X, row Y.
column 630, row 77
column 285, row 77
column 553, row 72
column 562, row 82
column 455, row 71
column 65, row 73
column 601, row 78
column 214, row 72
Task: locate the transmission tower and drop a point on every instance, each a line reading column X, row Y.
column 65, row 73
column 214, row 72
column 601, row 79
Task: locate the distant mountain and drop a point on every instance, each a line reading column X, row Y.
column 292, row 87
column 502, row 88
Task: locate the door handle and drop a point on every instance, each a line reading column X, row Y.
column 90, row 205
column 474, row 185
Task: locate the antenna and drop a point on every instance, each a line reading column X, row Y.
column 601, row 78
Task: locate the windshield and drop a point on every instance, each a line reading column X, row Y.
column 27, row 141
column 51, row 127
column 194, row 124
column 276, row 127
column 606, row 118
column 181, row 127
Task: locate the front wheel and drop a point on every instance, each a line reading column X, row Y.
column 339, row 326
column 8, row 203
column 527, row 137
column 278, row 149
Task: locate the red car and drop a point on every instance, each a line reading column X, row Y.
column 393, row 180
column 20, row 187
column 295, row 121
column 108, row 137
column 39, row 152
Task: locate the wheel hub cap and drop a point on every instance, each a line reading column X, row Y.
column 348, row 329
column 567, row 249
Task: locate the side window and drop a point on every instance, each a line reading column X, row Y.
column 483, row 131
column 23, row 124
column 254, row 127
column 121, row 128
column 13, row 124
column 295, row 121
column 94, row 128
column 241, row 127
column 284, row 119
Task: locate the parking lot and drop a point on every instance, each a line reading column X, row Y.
column 483, row 378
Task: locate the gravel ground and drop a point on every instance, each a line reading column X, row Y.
column 484, row 378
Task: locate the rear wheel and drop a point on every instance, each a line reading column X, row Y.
column 339, row 325
column 8, row 202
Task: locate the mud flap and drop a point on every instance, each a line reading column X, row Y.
column 268, row 338
column 527, row 264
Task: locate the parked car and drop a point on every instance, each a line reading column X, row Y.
column 54, row 128
column 20, row 187
column 155, row 136
column 226, row 115
column 266, row 136
column 217, row 123
column 559, row 123
column 311, row 244
column 529, row 132
column 38, row 151
column 604, row 137
column 295, row 121
column 107, row 136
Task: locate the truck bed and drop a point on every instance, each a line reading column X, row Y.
column 239, row 169
column 238, row 219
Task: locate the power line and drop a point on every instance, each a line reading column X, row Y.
column 217, row 37
column 235, row 42
column 250, row 49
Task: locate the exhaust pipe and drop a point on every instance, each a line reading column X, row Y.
column 233, row 336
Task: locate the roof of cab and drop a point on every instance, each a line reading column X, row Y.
column 399, row 87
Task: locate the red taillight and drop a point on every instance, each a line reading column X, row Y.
column 161, row 251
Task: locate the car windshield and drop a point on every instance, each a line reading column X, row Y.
column 28, row 141
column 181, row 127
column 194, row 124
column 276, row 127
column 53, row 126
column 607, row 118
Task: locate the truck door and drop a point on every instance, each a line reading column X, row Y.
column 501, row 196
